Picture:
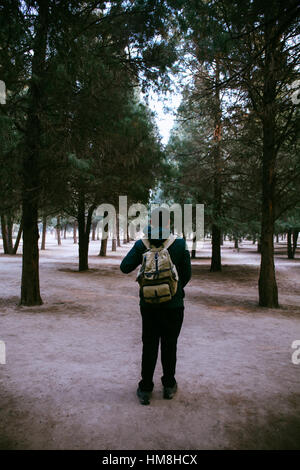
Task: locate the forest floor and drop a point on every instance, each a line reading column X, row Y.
column 72, row 364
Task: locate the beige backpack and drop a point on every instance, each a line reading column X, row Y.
column 157, row 276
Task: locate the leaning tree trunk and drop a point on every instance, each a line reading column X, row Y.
column 17, row 242
column 30, row 286
column 44, row 231
column 268, row 293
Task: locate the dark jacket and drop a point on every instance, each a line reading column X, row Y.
column 181, row 258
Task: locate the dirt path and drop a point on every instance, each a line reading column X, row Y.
column 73, row 363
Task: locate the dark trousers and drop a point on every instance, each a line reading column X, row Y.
column 164, row 325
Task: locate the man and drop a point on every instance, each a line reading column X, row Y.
column 160, row 322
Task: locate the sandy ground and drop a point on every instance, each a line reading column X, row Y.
column 73, row 364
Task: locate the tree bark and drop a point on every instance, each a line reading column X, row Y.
column 30, row 287
column 44, row 231
column 268, row 292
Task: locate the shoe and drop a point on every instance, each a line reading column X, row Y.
column 169, row 392
column 144, row 397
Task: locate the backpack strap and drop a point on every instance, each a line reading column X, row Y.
column 146, row 242
column 168, row 242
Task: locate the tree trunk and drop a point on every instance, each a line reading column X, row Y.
column 17, row 242
column 65, row 232
column 84, row 228
column 268, row 293
column 30, row 288
column 289, row 244
column 236, row 243
column 44, row 231
column 4, row 234
column 9, row 235
column 104, row 239
column 75, row 231
column 216, row 231
column 103, row 247
column 58, row 229
column 295, row 238
column 118, row 230
column 194, row 247
column 94, row 232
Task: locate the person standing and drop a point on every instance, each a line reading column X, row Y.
column 161, row 322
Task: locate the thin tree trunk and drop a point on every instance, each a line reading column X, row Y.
column 236, row 243
column 295, row 238
column 127, row 235
column 4, row 234
column 216, row 231
column 17, row 242
column 118, row 230
column 44, row 231
column 114, row 235
column 194, row 247
column 84, row 228
column 75, row 231
column 58, row 230
column 289, row 244
column 94, row 232
column 65, row 232
column 9, row 235
column 103, row 247
column 104, row 239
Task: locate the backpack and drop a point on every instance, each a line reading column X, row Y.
column 157, row 276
